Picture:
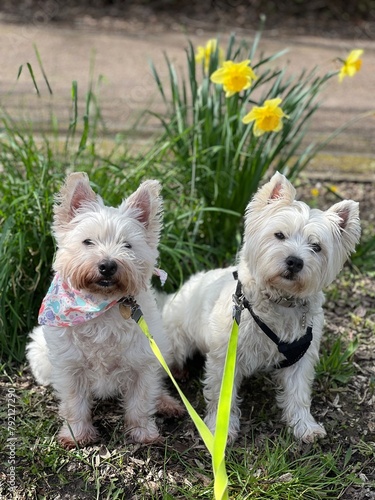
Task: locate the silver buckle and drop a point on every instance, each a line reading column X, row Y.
column 237, row 307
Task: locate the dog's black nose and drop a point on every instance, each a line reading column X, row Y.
column 107, row 268
column 295, row 264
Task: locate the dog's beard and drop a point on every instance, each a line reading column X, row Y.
column 288, row 282
column 127, row 281
column 310, row 280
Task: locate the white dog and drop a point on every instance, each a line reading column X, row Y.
column 88, row 345
column 289, row 254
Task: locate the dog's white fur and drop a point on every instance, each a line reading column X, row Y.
column 199, row 316
column 107, row 355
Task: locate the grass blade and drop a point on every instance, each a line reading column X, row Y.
column 39, row 59
column 223, row 417
column 33, row 78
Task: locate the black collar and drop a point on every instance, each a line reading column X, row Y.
column 293, row 351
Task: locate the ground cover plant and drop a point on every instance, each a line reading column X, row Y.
column 192, row 159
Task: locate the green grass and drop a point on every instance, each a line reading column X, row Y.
column 336, row 363
column 364, row 256
column 264, row 467
column 28, row 179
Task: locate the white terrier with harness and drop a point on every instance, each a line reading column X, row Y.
column 289, row 254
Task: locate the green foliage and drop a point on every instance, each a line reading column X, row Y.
column 28, row 179
column 335, row 363
column 220, row 161
column 277, row 470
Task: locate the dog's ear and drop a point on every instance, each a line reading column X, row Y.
column 75, row 193
column 278, row 189
column 344, row 216
column 146, row 205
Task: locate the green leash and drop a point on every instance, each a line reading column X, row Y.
column 215, row 444
column 201, row 426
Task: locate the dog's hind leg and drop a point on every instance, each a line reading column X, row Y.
column 169, row 406
column 37, row 356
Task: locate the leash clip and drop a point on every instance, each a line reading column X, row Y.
column 237, row 307
column 136, row 313
column 129, row 308
column 238, row 300
column 135, row 310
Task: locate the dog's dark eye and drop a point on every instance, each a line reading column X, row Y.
column 280, row 236
column 317, row 248
column 88, row 243
column 127, row 245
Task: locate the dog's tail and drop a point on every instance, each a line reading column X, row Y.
column 37, row 355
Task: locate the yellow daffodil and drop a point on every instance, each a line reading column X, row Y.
column 351, row 65
column 268, row 118
column 234, row 77
column 315, row 192
column 204, row 53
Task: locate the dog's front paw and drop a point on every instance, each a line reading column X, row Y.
column 145, row 434
column 308, row 432
column 71, row 436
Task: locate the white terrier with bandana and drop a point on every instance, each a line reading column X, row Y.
column 289, row 254
column 88, row 345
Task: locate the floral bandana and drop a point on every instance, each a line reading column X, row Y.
column 64, row 306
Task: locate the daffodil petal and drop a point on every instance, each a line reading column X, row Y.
column 248, row 118
column 258, row 131
column 278, row 127
column 273, row 103
column 200, row 54
column 217, row 76
column 354, row 56
column 267, row 118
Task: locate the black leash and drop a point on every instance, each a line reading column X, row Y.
column 293, row 351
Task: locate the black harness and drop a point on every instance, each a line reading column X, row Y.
column 293, row 351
